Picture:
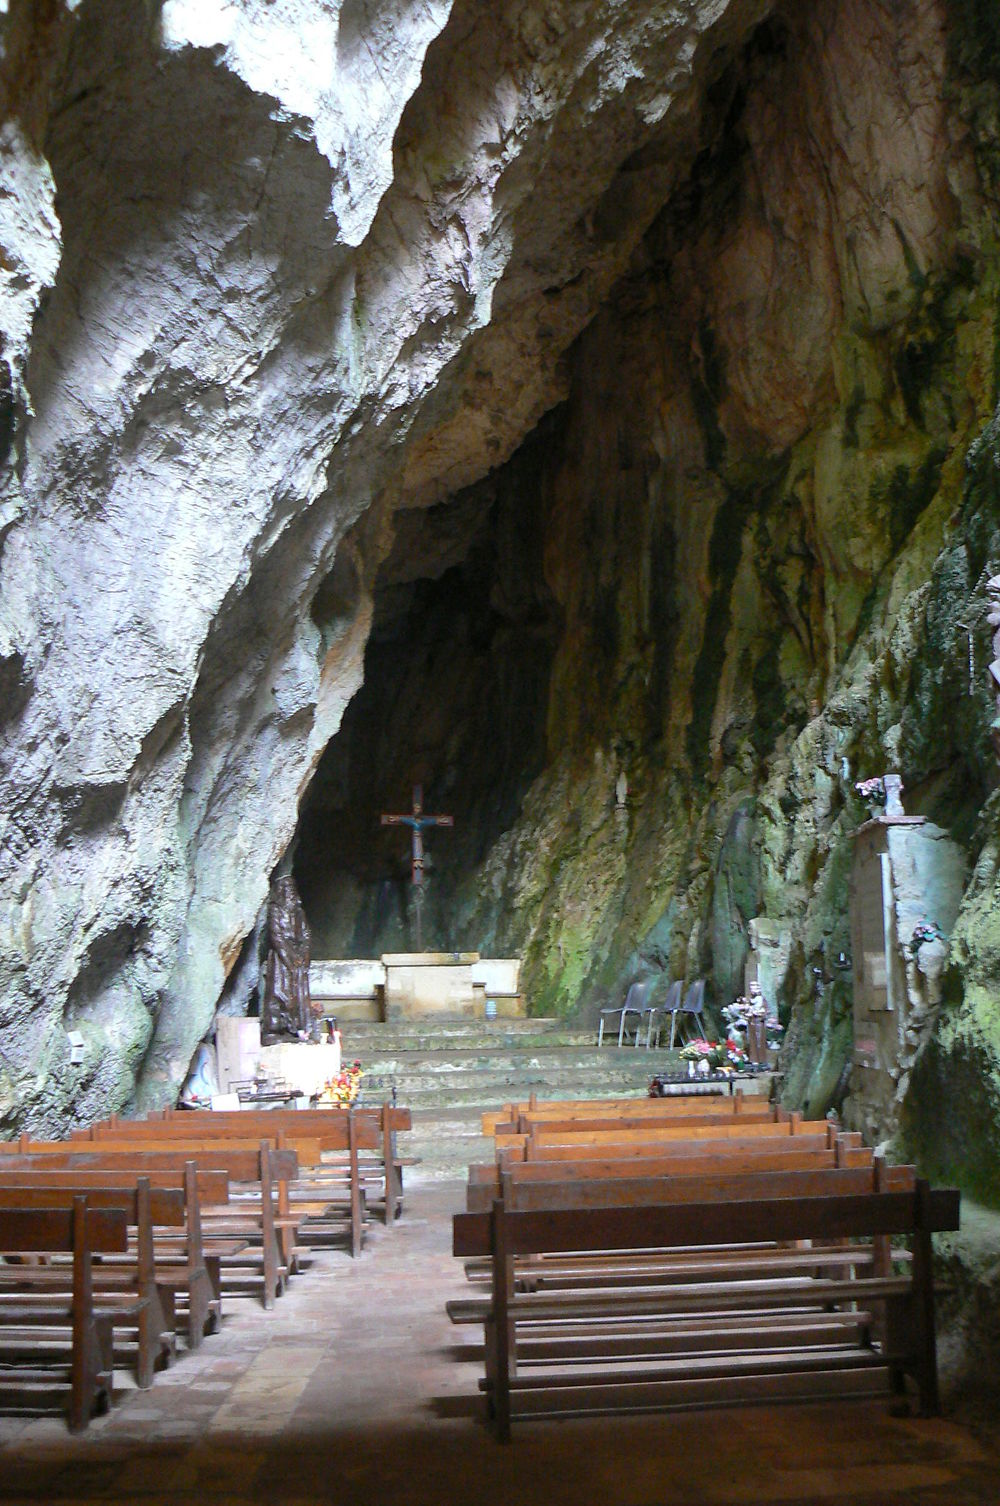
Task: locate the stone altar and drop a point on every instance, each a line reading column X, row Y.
column 417, row 984
column 431, row 983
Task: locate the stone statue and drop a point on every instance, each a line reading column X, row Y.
column 285, row 1012
column 757, row 1027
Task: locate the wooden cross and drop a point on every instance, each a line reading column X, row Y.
column 417, row 821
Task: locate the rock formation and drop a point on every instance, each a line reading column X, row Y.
column 619, row 374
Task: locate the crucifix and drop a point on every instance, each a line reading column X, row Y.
column 417, row 821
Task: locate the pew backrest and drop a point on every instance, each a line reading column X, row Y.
column 503, row 1233
column 638, row 1191
column 47, row 1230
column 681, row 1147
column 212, row 1186
column 165, row 1204
column 237, row 1162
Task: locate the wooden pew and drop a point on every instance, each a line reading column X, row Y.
column 386, row 1122
column 542, row 1139
column 80, row 1232
column 326, row 1185
column 128, row 1281
column 686, row 1162
column 550, row 1127
column 611, row 1148
column 696, row 1369
column 663, row 1108
column 180, row 1268
column 357, row 1169
column 250, row 1213
column 738, row 1262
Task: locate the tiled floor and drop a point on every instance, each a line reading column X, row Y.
column 349, row 1391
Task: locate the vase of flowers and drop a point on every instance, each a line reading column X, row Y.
column 702, row 1056
column 872, row 792
column 341, row 1091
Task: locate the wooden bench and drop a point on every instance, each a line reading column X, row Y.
column 128, row 1278
column 29, row 1363
column 663, row 1108
column 371, row 1162
column 175, row 1271
column 327, row 1180
column 248, row 1219
column 708, row 1358
column 378, row 1129
column 626, row 1144
column 542, row 1138
column 655, row 1266
column 700, row 1157
column 550, row 1129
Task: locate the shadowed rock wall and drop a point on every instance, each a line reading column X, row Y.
column 618, row 373
column 271, row 272
column 768, row 504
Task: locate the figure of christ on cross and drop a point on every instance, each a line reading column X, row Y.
column 417, row 821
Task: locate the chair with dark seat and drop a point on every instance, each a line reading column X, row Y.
column 693, row 1008
column 671, row 1006
column 636, row 1006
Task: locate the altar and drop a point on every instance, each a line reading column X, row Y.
column 418, row 985
column 397, row 986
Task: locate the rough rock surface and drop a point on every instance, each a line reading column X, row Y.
column 278, row 270
column 761, row 520
column 618, row 372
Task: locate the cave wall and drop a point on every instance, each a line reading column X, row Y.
column 769, row 502
column 288, row 290
column 271, row 272
column 456, row 683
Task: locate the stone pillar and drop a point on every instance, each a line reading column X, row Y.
column 907, row 877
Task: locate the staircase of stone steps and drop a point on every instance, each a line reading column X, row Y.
column 447, row 1071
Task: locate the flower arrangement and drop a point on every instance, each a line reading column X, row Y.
column 342, row 1090
column 700, row 1050
column 871, row 789
column 735, row 1058
column 924, row 930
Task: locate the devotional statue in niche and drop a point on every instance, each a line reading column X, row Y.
column 285, row 1012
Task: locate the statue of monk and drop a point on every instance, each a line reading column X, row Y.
column 285, row 1012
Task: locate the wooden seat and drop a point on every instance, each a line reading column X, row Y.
column 248, row 1219
column 696, row 1366
column 29, row 1361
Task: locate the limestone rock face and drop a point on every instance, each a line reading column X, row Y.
column 602, row 386
column 274, row 271
column 762, row 517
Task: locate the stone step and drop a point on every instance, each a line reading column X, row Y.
column 479, row 1060
column 440, row 1024
column 365, row 1040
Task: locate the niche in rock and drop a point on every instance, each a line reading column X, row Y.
column 454, row 698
